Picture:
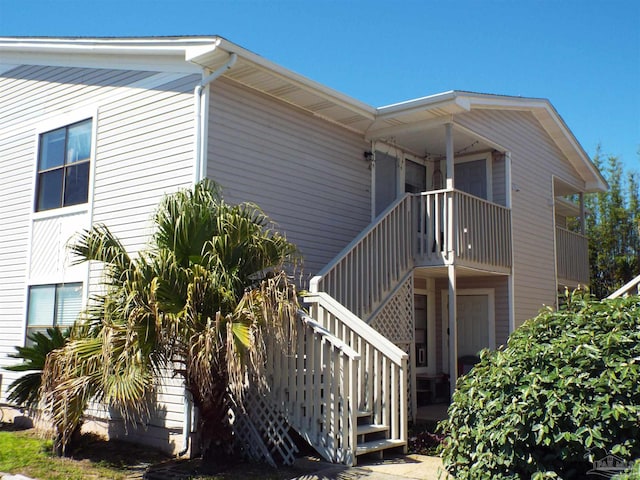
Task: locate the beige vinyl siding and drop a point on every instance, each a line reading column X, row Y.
column 535, row 160
column 144, row 149
column 308, row 175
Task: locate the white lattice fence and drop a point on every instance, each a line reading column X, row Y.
column 395, row 320
column 262, row 432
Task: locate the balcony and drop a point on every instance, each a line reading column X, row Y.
column 572, row 257
column 456, row 227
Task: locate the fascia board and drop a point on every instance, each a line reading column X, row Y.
column 409, row 106
column 541, row 107
column 136, row 55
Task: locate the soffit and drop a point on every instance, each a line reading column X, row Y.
column 259, row 74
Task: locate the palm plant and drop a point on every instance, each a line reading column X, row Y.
column 25, row 390
column 199, row 301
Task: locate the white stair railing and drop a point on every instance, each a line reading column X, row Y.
column 315, row 388
column 631, row 288
column 364, row 273
column 381, row 381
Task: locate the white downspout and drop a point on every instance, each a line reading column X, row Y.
column 200, row 163
column 199, row 172
column 186, row 423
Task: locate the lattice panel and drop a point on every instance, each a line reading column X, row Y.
column 263, row 432
column 395, row 320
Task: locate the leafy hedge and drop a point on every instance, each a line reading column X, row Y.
column 564, row 392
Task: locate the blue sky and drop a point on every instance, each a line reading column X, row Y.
column 583, row 55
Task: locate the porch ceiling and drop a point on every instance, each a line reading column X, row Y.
column 431, row 142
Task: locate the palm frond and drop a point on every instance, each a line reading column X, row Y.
column 25, row 390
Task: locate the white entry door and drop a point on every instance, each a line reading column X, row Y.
column 473, row 324
column 475, row 320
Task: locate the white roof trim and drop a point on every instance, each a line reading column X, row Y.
column 192, row 54
column 541, row 108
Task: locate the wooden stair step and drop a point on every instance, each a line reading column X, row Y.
column 364, row 413
column 371, row 428
column 377, row 445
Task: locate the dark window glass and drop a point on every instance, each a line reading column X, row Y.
column 415, row 180
column 63, row 166
column 76, row 184
column 50, row 189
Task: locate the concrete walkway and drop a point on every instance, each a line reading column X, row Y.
column 403, row 467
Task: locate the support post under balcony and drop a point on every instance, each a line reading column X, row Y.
column 582, row 214
column 453, row 331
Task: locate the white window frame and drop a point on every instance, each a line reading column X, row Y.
column 55, row 286
column 54, row 124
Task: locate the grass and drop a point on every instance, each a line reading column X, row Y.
column 27, row 453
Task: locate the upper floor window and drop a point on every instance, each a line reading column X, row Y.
column 55, row 305
column 64, row 158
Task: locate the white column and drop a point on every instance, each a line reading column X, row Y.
column 510, row 284
column 582, row 214
column 450, row 171
column 453, row 326
column 453, row 330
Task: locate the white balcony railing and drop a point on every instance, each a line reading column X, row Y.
column 572, row 256
column 453, row 223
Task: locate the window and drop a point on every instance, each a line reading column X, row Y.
column 53, row 306
column 386, row 181
column 63, row 166
column 415, row 177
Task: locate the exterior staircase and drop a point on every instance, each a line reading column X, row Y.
column 344, row 386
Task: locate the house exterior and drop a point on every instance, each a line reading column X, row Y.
column 430, row 229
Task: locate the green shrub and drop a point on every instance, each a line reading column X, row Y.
column 632, row 474
column 564, row 391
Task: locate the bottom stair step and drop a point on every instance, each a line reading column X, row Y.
column 377, row 445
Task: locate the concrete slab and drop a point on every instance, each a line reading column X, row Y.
column 401, row 467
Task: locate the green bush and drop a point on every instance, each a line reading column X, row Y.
column 632, row 474
column 564, row 391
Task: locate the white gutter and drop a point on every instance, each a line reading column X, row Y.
column 200, row 164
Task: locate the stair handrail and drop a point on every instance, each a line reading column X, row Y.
column 330, row 337
column 364, row 260
column 627, row 289
column 314, row 386
column 380, row 385
column 382, row 343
